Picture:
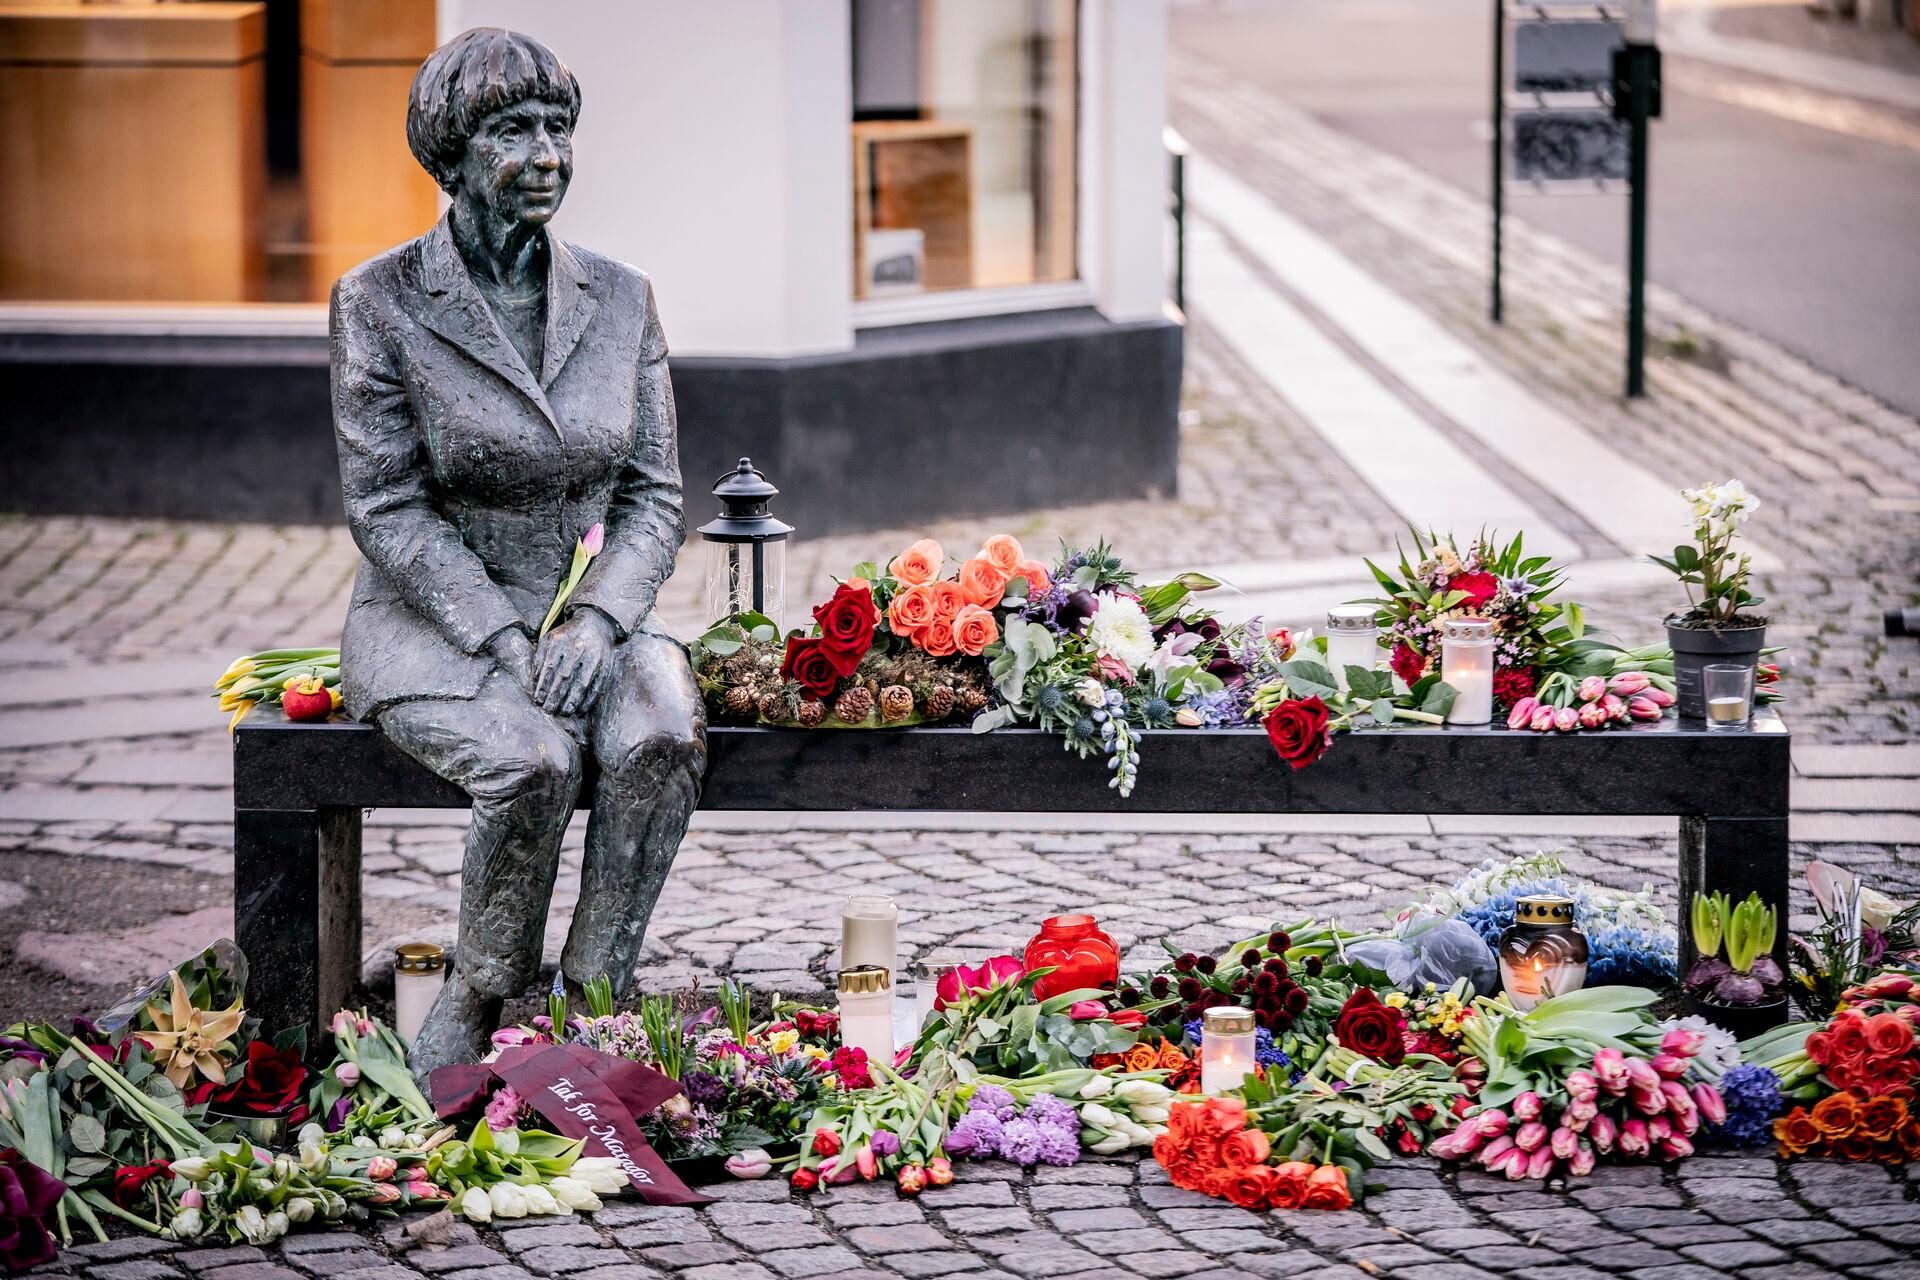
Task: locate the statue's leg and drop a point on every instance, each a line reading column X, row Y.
column 649, row 738
column 522, row 769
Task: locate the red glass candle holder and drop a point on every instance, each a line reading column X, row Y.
column 1079, row 954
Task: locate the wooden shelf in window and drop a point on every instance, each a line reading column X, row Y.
column 915, row 174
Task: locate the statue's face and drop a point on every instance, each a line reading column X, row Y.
column 518, row 162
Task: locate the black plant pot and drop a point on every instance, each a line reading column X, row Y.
column 1744, row 1021
column 1696, row 647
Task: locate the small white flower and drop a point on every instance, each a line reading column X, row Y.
column 300, row 1209
column 252, row 1224
column 1111, row 1144
column 1096, row 1115
column 1143, row 1093
column 602, row 1173
column 312, row 1133
column 313, row 1157
column 1099, row 1085
column 186, row 1224
column 1153, row 1114
column 278, row 1224
column 574, row 1194
column 393, row 1138
column 475, row 1204
column 507, row 1200
column 1120, row 630
column 541, row 1201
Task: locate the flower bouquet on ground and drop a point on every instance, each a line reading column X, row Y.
column 1859, row 931
column 1579, row 1077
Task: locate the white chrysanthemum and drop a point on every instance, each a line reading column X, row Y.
column 1120, row 630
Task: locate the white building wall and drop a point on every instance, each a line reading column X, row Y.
column 714, row 152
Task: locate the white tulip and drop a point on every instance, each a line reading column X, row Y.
column 1151, row 1115
column 574, row 1194
column 602, row 1173
column 300, row 1209
column 1143, row 1091
column 475, row 1204
column 541, row 1201
column 507, row 1142
column 284, row 1167
column 311, row 1133
column 1098, row 1086
column 186, row 1224
column 278, row 1224
column 313, row 1157
column 392, row 1138
column 252, row 1224
column 1136, row 1134
column 508, row 1201
column 1112, row 1144
column 418, row 1139
column 1096, row 1115
column 366, row 1143
column 193, row 1168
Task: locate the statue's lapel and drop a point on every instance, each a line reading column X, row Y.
column 455, row 310
column 570, row 306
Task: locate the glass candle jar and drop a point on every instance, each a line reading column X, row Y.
column 869, row 932
column 866, row 1011
column 419, row 971
column 1466, row 663
column 1226, row 1049
column 927, row 972
column 1353, row 640
column 1728, row 688
column 1543, row 953
column 1079, row 954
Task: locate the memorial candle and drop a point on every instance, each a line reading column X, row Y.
column 1466, row 664
column 419, row 971
column 869, row 932
column 1226, row 1049
column 866, row 1011
column 1353, row 640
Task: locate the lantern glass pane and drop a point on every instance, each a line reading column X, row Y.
column 744, row 576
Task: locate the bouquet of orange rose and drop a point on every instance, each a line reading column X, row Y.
column 1211, row 1148
column 1852, row 1127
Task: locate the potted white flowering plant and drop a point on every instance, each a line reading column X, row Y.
column 1718, row 625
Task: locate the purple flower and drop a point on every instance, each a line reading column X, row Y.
column 1022, row 1141
column 28, row 1194
column 338, row 1115
column 20, row 1049
column 978, row 1135
column 1060, row 1146
column 992, row 1098
column 885, row 1143
column 1052, row 1112
column 704, row 1089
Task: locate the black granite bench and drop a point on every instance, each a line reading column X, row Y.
column 300, row 789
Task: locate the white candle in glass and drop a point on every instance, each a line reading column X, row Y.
column 869, row 932
column 1466, row 664
column 1353, row 640
column 419, row 971
column 866, row 1011
column 1226, row 1049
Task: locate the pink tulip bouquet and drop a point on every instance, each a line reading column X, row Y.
column 1580, row 1078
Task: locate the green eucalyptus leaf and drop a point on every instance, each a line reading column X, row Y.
column 87, row 1134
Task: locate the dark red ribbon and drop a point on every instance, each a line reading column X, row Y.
column 584, row 1094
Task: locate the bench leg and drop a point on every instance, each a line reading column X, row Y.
column 296, row 911
column 1738, row 856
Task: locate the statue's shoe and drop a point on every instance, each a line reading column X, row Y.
column 457, row 1029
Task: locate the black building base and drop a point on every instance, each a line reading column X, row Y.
column 917, row 422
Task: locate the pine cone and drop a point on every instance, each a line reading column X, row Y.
column 939, row 704
column 774, row 705
column 811, row 714
column 973, row 701
column 855, row 705
column 896, row 702
column 740, row 701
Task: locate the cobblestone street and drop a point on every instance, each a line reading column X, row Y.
column 113, row 759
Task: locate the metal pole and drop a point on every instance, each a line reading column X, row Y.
column 1177, row 151
column 1640, row 85
column 1499, row 142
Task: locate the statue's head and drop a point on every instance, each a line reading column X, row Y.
column 491, row 117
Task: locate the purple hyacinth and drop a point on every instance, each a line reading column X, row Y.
column 1048, row 1110
column 976, row 1135
column 1022, row 1141
column 992, row 1098
column 1059, row 1146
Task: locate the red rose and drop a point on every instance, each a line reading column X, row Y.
column 1480, row 588
column 1298, row 730
column 1510, row 684
column 271, row 1083
column 1370, row 1028
column 28, row 1194
column 846, row 626
column 1407, row 664
column 130, row 1181
column 809, row 663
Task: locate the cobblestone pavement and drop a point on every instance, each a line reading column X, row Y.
column 108, row 752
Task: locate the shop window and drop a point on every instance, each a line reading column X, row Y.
column 205, row 152
column 964, row 144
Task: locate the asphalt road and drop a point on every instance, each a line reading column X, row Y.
column 1806, row 233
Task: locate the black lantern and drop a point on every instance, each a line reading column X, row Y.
column 745, row 547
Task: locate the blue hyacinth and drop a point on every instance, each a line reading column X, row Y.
column 1752, row 1095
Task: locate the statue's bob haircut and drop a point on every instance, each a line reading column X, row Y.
column 470, row 76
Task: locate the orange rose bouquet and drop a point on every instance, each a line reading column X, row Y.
column 1211, row 1147
column 1852, row 1126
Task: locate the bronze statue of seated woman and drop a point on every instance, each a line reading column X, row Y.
column 496, row 394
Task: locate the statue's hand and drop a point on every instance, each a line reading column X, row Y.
column 572, row 660
column 513, row 653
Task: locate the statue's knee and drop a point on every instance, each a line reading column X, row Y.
column 543, row 769
column 662, row 754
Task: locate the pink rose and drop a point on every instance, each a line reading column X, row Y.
column 963, row 979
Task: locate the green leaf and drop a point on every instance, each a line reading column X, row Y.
column 1687, row 557
column 1365, row 683
column 87, row 1134
column 765, row 634
column 1439, row 699
column 1308, row 679
column 1370, row 1143
column 1383, row 711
